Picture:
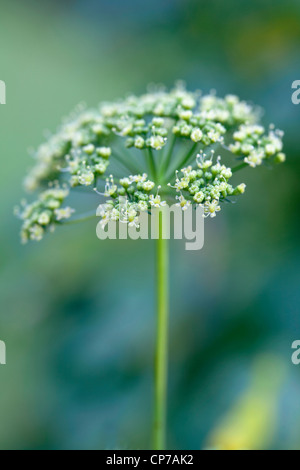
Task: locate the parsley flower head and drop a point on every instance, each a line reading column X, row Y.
column 164, row 147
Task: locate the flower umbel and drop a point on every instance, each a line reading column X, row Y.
column 171, row 136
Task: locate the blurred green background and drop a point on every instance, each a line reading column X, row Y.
column 77, row 314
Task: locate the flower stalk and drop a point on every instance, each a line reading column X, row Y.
column 161, row 356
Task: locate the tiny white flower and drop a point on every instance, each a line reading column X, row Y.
column 157, row 142
column 196, row 135
column 63, row 213
column 86, row 178
column 110, row 190
column 131, row 215
column 183, row 203
column 143, row 206
column 270, row 149
column 182, row 184
column 156, row 201
column 211, row 208
column 255, row 159
column 114, row 215
column 214, row 136
column 138, row 178
column 36, row 233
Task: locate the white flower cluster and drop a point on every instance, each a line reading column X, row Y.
column 229, row 111
column 87, row 163
column 43, row 213
column 83, row 144
column 157, row 127
column 139, row 195
column 256, row 146
column 206, row 185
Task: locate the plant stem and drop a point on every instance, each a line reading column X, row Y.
column 166, row 163
column 161, row 357
column 151, row 161
column 239, row 167
column 184, row 161
column 125, row 163
column 82, row 218
column 189, row 155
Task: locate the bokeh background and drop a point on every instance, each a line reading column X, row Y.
column 77, row 314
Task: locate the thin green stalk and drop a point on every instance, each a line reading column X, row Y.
column 125, row 163
column 82, row 218
column 189, row 155
column 239, row 167
column 184, row 161
column 161, row 357
column 169, row 154
column 152, row 165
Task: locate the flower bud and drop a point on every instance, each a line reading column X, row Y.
column 104, row 152
column 89, row 149
column 199, row 197
column 239, row 189
column 139, row 142
column 280, row 158
column 148, row 186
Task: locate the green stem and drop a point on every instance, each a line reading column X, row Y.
column 169, row 155
column 161, row 357
column 125, row 163
column 77, row 220
column 152, row 165
column 239, row 167
column 184, row 161
column 189, row 155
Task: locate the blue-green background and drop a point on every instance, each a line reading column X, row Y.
column 77, row 314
